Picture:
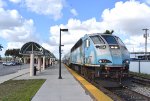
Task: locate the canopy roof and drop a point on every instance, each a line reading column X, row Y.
column 48, row 53
column 32, row 47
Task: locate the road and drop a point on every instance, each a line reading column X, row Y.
column 5, row 70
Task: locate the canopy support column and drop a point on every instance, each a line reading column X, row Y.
column 43, row 62
column 31, row 64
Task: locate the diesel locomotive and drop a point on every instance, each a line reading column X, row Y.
column 99, row 55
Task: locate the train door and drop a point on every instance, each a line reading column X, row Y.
column 86, row 51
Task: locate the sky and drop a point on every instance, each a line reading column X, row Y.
column 22, row 21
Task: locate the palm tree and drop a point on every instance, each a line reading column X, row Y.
column 108, row 32
column 1, row 47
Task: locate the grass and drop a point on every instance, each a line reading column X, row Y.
column 19, row 90
column 141, row 74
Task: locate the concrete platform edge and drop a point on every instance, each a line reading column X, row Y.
column 94, row 96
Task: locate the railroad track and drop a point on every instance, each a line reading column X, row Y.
column 128, row 95
column 107, row 92
column 140, row 80
column 121, row 93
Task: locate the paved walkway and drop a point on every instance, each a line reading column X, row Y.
column 54, row 89
column 11, row 76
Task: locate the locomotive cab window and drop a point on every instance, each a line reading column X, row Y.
column 97, row 40
column 110, row 39
column 120, row 42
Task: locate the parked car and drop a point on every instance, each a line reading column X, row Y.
column 8, row 63
column 4, row 63
column 17, row 63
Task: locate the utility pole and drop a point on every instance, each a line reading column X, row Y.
column 146, row 36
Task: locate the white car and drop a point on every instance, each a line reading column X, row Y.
column 8, row 63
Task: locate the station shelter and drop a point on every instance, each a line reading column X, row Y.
column 34, row 53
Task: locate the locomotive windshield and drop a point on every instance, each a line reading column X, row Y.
column 109, row 39
column 97, row 40
column 120, row 42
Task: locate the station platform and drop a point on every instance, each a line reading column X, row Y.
column 71, row 87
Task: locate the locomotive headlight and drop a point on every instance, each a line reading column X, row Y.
column 112, row 47
column 126, row 61
column 116, row 47
column 100, row 61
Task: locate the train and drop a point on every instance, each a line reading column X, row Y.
column 99, row 55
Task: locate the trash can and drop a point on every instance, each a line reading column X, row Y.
column 34, row 70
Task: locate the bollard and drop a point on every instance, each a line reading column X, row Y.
column 34, row 70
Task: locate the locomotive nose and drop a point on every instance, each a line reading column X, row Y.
column 116, row 55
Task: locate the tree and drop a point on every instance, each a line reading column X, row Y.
column 13, row 52
column 1, row 47
column 108, row 32
column 1, row 50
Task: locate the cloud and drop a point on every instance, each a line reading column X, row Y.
column 21, row 33
column 2, row 3
column 48, row 7
column 127, row 19
column 14, row 45
column 130, row 17
column 15, row 29
column 52, row 8
column 77, row 29
column 74, row 12
column 9, row 19
column 135, row 43
column 15, row 1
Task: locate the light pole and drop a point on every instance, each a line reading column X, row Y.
column 145, row 36
column 65, row 30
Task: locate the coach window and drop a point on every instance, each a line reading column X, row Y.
column 87, row 43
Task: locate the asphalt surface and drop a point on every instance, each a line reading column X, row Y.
column 5, row 70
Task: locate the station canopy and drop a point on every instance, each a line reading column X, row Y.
column 48, row 54
column 32, row 47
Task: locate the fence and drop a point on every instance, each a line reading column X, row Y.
column 140, row 66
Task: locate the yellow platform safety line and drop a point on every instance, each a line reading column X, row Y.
column 95, row 92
